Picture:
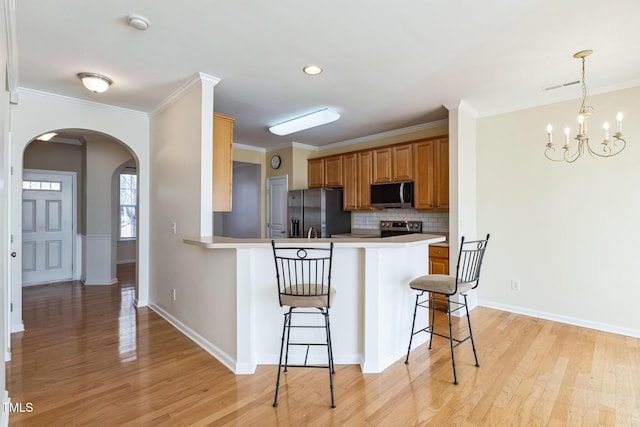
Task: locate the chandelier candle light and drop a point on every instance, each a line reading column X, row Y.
column 571, row 153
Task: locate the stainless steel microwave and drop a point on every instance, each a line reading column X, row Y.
column 392, row 195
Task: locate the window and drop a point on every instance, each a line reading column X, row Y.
column 128, row 206
column 42, row 185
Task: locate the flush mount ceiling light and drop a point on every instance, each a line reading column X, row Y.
column 312, row 70
column 572, row 152
column 46, row 136
column 307, row 121
column 138, row 22
column 95, row 82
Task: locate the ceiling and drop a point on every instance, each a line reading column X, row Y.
column 387, row 65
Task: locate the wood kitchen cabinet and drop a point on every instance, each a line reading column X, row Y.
column 333, row 171
column 315, row 173
column 357, row 180
column 222, row 162
column 392, row 164
column 438, row 264
column 431, row 185
column 325, row 172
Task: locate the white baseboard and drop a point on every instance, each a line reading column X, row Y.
column 207, row 346
column 98, row 282
column 126, row 261
column 605, row 327
column 17, row 327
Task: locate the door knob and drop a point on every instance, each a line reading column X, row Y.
column 13, row 254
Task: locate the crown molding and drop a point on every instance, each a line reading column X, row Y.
column 387, row 134
column 186, row 86
column 249, row 147
column 84, row 102
column 463, row 106
column 304, row 146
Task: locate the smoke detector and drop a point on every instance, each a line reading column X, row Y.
column 138, row 22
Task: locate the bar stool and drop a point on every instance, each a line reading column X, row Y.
column 304, row 286
column 467, row 278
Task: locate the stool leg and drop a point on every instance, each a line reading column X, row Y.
column 473, row 344
column 453, row 360
column 432, row 310
column 286, row 351
column 329, row 356
column 413, row 325
column 333, row 370
column 284, row 328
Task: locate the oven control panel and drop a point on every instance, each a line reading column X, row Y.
column 405, row 226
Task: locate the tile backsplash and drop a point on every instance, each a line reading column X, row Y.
column 431, row 221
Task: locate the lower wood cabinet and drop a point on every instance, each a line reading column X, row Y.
column 438, row 264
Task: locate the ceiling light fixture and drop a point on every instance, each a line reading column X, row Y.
column 307, row 121
column 95, row 82
column 571, row 153
column 138, row 22
column 312, row 70
column 46, row 136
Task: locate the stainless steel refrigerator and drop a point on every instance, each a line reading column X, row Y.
column 319, row 209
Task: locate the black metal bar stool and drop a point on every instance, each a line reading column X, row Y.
column 467, row 278
column 304, row 286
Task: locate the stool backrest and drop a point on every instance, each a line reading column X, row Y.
column 303, row 272
column 470, row 261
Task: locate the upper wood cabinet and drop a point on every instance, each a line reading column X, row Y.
column 333, row 171
column 393, row 163
column 357, row 169
column 315, row 173
column 222, row 162
column 431, row 185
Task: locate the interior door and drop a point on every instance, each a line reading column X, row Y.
column 47, row 227
column 277, row 207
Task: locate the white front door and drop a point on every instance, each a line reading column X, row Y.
column 277, row 207
column 47, row 227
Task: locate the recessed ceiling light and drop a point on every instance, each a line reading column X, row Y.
column 46, row 136
column 312, row 70
column 138, row 22
column 314, row 119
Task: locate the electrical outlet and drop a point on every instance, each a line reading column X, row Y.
column 173, row 294
column 173, row 228
column 515, row 285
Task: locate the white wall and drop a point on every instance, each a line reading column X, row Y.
column 181, row 169
column 568, row 232
column 103, row 157
column 37, row 113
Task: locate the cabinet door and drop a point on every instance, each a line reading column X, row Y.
column 333, row 171
column 423, row 190
column 315, row 173
column 365, row 173
column 222, row 162
column 402, row 157
column 441, row 188
column 382, row 170
column 350, row 178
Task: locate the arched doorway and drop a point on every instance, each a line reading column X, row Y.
column 94, row 158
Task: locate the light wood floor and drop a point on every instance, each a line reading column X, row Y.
column 88, row 357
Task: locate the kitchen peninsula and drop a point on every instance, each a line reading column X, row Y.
column 236, row 316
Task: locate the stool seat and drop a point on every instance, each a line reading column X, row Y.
column 309, row 295
column 440, row 284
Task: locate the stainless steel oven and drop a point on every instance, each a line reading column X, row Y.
column 397, row 228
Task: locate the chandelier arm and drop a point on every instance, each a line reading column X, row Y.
column 570, row 158
column 607, row 150
column 553, row 150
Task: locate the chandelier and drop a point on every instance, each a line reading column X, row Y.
column 572, row 152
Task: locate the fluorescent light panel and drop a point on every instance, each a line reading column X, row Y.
column 308, row 121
